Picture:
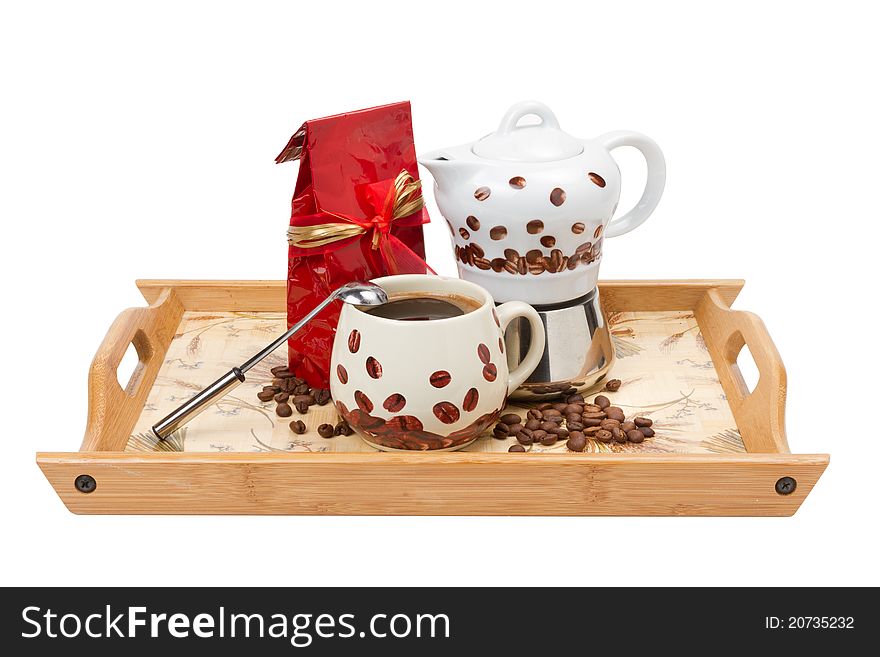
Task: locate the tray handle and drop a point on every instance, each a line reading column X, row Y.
column 113, row 410
column 727, row 332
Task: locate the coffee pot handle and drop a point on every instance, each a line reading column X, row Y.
column 653, row 187
column 509, row 311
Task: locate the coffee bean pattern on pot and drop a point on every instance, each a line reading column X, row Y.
column 405, row 423
column 557, row 196
column 597, row 179
column 534, row 227
column 354, row 341
column 394, row 402
column 482, row 193
column 473, row 223
column 440, row 379
column 446, row 412
column 517, row 182
column 549, row 241
column 484, row 354
column 464, row 233
column 374, row 368
column 495, row 317
column 598, row 231
column 490, row 372
column 471, row 399
column 341, row 374
column 498, row 233
column 363, row 402
column 577, row 228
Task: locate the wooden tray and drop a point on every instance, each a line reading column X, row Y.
column 719, row 449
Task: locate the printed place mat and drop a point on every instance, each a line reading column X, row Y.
column 667, row 375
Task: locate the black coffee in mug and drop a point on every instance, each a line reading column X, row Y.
column 414, row 307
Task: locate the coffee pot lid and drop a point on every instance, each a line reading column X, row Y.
column 543, row 142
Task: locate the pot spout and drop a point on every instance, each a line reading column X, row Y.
column 446, row 168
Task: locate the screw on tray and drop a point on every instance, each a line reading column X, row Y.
column 786, row 486
column 85, row 483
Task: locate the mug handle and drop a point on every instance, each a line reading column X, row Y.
column 509, row 311
column 653, row 187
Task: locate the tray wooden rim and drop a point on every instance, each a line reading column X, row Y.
column 656, row 484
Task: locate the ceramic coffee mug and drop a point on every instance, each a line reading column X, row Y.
column 431, row 384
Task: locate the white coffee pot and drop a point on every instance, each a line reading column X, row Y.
column 529, row 206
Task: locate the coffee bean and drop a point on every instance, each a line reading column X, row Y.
column 482, row 193
column 522, row 267
column 535, row 413
column 306, row 399
column 603, row 436
column 597, row 179
column 394, row 402
column 278, row 368
column 301, row 407
column 538, row 435
column 302, row 389
column 635, row 436
column 571, row 263
column 440, row 379
column 535, row 226
column 643, row 422
column 283, row 410
column 446, row 412
column 573, row 417
column 341, row 374
column 477, row 250
column 322, row 396
column 498, row 233
column 482, row 263
column 354, row 341
column 325, row 430
column 538, row 268
column 374, row 368
column 533, row 424
column 509, row 267
column 471, row 398
column 561, row 433
column 598, row 245
column 628, row 426
column 510, row 418
column 265, row 395
column 573, row 408
column 602, row 401
column 297, row 426
column 363, row 402
column 548, row 426
column 516, row 448
column 473, row 223
column 549, row 439
column 617, row 434
column 577, row 442
column 647, row 432
column 484, row 354
column 608, row 423
column 592, row 431
column 583, row 248
column 515, row 428
column 524, row 438
column 548, row 241
column 577, row 228
column 592, row 408
column 557, row 196
column 497, row 264
column 613, row 385
column 517, row 182
column 555, row 263
column 342, row 428
column 490, row 372
column 511, row 254
column 575, row 426
column 614, row 413
column 464, row 233
column 501, row 431
column 600, row 415
column 534, row 256
column 591, row 421
column 281, row 397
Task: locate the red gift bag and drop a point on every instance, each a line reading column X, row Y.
column 357, row 214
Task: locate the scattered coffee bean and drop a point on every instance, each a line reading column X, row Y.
column 342, row 428
column 281, row 397
column 302, row 389
column 618, row 435
column 284, row 410
column 510, row 418
column 574, row 399
column 573, row 408
column 515, row 428
column 535, row 414
column 326, row 430
column 501, row 430
column 613, row 385
column 549, row 439
column 298, row 426
column 643, row 422
column 591, row 421
column 524, row 438
column 575, row 426
column 635, row 436
column 603, row 436
column 539, row 435
column 516, row 448
column 602, row 402
column 301, row 407
column 561, row 433
column 615, row 413
column 628, row 426
column 279, row 368
column 647, row 432
column 577, row 442
column 609, row 424
column 546, row 425
column 533, row 424
column 265, row 395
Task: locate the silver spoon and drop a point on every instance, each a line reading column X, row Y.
column 357, row 294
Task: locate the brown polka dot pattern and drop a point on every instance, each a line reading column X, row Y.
column 498, row 233
column 535, row 226
column 341, row 374
column 598, row 231
column 517, row 182
column 490, row 372
column 471, row 399
column 497, row 264
column 482, row 193
column 557, row 196
column 354, row 341
column 464, row 233
column 548, row 241
column 577, row 228
column 597, row 179
column 363, row 402
column 473, row 223
column 374, row 368
column 440, row 379
column 483, row 353
column 446, row 412
column 394, row 402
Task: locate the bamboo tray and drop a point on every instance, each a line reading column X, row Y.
column 719, row 448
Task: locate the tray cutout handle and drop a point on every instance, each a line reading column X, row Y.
column 727, row 332
column 113, row 410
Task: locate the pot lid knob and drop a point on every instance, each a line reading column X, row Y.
column 543, row 142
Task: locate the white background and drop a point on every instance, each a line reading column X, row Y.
column 137, row 141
